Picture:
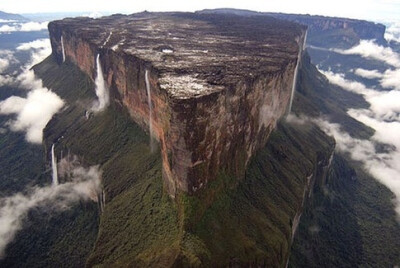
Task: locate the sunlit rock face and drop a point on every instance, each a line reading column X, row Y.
column 218, row 83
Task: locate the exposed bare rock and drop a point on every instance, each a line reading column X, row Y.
column 218, row 83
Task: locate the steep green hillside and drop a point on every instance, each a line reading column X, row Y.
column 316, row 97
column 350, row 221
column 21, row 162
column 54, row 239
column 251, row 221
column 235, row 222
column 230, row 222
column 48, row 238
column 138, row 215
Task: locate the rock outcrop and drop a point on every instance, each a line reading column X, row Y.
column 342, row 32
column 322, row 31
column 218, row 83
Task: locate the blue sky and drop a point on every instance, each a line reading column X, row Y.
column 377, row 10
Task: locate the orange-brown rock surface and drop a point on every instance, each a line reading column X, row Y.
column 218, row 83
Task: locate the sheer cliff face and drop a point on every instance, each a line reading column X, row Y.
column 218, row 84
column 339, row 32
column 322, row 31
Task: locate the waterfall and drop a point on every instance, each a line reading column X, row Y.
column 296, row 69
column 101, row 200
column 146, row 76
column 294, row 82
column 107, row 39
column 62, row 48
column 54, row 166
column 304, row 41
column 101, row 88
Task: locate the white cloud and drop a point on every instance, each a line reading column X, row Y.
column 370, row 74
column 40, row 49
column 39, row 55
column 36, row 44
column 369, row 49
column 4, row 63
column 393, row 32
column 27, row 80
column 294, row 119
column 6, row 21
column 36, row 109
column 33, row 26
column 384, row 104
column 12, row 105
column 6, row 80
column 383, row 115
column 33, row 112
column 84, row 184
column 391, row 79
column 24, row 27
column 385, row 167
column 385, row 131
column 8, row 28
column 93, row 15
column 353, row 86
column 6, row 59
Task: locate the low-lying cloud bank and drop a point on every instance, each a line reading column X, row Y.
column 34, row 111
column 24, row 27
column 384, row 166
column 385, row 105
column 36, row 44
column 389, row 79
column 83, row 184
column 370, row 74
column 369, row 49
column 6, row 59
column 393, row 32
column 383, row 115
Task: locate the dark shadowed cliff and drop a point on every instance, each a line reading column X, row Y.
column 322, row 31
column 200, row 167
column 215, row 97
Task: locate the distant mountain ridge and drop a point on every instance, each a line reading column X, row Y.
column 11, row 16
column 322, row 31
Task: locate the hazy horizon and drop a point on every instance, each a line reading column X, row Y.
column 374, row 10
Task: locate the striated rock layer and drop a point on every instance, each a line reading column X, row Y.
column 322, row 31
column 218, row 83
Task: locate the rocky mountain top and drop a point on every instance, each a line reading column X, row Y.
column 193, row 51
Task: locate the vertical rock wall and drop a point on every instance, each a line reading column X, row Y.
column 199, row 136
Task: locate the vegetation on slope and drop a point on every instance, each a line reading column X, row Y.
column 316, row 97
column 139, row 223
column 48, row 237
column 54, row 239
column 250, row 221
column 21, row 162
column 229, row 222
column 350, row 221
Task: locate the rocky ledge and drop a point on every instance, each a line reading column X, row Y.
column 216, row 84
